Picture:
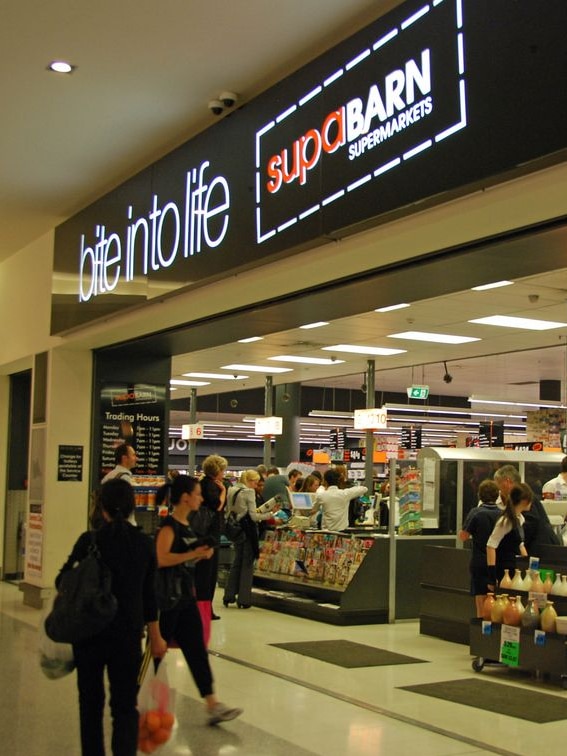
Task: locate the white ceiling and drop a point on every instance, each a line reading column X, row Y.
column 145, row 73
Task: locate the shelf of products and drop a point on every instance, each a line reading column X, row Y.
column 332, row 577
column 548, row 655
column 410, row 502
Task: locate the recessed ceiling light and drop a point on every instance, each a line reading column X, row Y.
column 495, row 285
column 354, row 349
column 178, row 382
column 306, row 360
column 257, row 368
column 219, row 376
column 250, row 339
column 61, row 66
column 392, row 307
column 434, row 338
column 318, row 324
column 529, row 324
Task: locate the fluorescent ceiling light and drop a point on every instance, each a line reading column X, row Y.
column 257, row 368
column 250, row 339
column 220, row 376
column 177, row 382
column 306, row 360
column 318, row 324
column 354, row 349
column 495, row 285
column 529, row 324
column 392, row 307
column 331, row 413
column 434, row 338
column 539, row 405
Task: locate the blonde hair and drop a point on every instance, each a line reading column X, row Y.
column 214, row 464
column 249, row 476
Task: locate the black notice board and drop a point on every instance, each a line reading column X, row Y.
column 70, row 463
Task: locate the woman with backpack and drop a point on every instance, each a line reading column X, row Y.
column 129, row 555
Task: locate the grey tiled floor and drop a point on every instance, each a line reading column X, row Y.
column 292, row 704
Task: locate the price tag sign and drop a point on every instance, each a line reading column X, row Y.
column 539, row 637
column 510, row 646
column 486, row 627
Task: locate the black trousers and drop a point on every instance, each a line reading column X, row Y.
column 121, row 657
column 183, row 625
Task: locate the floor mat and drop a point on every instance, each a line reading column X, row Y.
column 499, row 699
column 347, row 654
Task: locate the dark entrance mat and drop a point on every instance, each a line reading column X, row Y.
column 499, row 699
column 347, row 654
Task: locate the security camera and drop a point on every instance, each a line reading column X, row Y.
column 363, row 388
column 447, row 378
column 216, row 107
column 228, row 99
column 286, row 397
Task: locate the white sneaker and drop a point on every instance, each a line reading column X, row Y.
column 223, row 713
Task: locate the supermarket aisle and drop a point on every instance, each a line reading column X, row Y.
column 292, row 703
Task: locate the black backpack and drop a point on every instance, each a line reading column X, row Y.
column 84, row 604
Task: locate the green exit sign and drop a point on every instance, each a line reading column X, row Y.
column 418, row 392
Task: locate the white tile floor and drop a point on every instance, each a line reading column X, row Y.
column 292, row 704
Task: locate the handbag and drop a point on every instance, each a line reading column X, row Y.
column 84, row 604
column 170, row 586
column 233, row 527
column 55, row 659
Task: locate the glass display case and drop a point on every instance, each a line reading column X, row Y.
column 450, row 480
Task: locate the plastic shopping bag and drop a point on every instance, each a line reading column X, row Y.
column 56, row 659
column 156, row 704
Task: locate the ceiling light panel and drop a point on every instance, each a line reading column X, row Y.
column 433, row 338
column 527, row 324
column 257, row 368
column 318, row 324
column 355, row 349
column 495, row 285
column 250, row 339
column 306, row 360
column 178, row 382
column 391, row 308
column 216, row 376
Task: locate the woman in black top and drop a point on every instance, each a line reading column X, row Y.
column 208, row 521
column 130, row 556
column 182, row 623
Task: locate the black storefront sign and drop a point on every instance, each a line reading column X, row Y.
column 431, row 99
column 70, row 463
column 133, row 414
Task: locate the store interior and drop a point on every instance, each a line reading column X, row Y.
column 497, row 372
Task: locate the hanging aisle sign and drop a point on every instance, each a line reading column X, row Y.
column 192, row 432
column 419, row 105
column 268, row 426
column 370, row 419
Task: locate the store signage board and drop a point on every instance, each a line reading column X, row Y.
column 268, row 426
column 417, row 392
column 421, row 103
column 133, row 414
column 192, row 432
column 371, row 419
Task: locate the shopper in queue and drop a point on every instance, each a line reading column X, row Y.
column 507, row 538
column 334, row 501
column 242, row 502
column 478, row 526
column 130, row 556
column 537, row 530
column 182, row 623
